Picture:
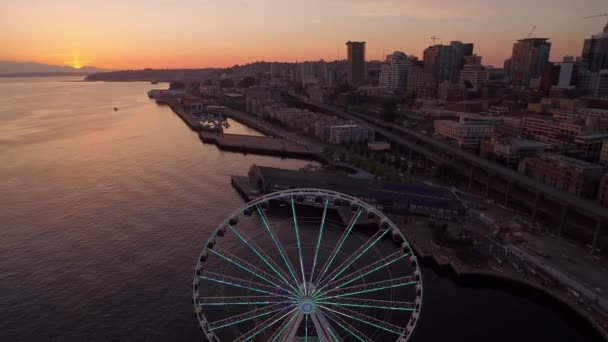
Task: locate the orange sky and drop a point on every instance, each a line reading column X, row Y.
column 204, row 33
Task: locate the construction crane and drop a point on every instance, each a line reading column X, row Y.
column 531, row 32
column 433, row 38
column 597, row 15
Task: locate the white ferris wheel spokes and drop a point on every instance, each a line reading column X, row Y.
column 307, row 278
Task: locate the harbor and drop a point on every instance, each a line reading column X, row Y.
column 209, row 122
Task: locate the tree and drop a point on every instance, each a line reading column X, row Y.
column 247, row 82
column 389, row 110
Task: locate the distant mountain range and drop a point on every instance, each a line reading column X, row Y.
column 15, row 69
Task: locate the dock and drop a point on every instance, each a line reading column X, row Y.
column 258, row 145
column 191, row 120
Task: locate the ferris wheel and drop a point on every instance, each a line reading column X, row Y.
column 307, row 265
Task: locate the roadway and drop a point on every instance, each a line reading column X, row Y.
column 387, row 129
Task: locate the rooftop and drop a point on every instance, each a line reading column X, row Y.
column 568, row 160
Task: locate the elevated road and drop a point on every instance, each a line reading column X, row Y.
column 439, row 152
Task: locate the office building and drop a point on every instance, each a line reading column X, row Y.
column 473, row 74
column 571, row 175
column 444, row 62
column 512, row 150
column 393, row 72
column 420, row 82
column 341, row 132
column 355, row 69
column 528, row 60
column 594, row 56
column 602, row 191
column 592, row 76
column 466, row 134
column 447, row 90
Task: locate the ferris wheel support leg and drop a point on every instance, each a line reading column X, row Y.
column 292, row 329
column 322, row 327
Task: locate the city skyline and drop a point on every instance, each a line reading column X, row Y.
column 159, row 34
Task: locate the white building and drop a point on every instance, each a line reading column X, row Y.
column 393, row 72
column 467, row 134
column 341, row 132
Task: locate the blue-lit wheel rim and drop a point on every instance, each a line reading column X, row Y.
column 303, row 294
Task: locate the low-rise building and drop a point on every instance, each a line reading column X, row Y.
column 571, row 175
column 602, row 191
column 551, row 131
column 590, row 146
column 210, row 90
column 467, row 134
column 341, row 133
column 265, row 93
column 604, row 153
column 450, row 91
column 512, row 150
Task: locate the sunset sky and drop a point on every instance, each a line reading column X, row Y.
column 204, row 33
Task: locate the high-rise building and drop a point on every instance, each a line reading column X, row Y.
column 592, row 75
column 420, row 82
column 444, row 62
column 528, row 60
column 436, row 61
column 595, row 52
column 460, row 51
column 355, row 52
column 393, row 72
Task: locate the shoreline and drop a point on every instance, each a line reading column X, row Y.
column 465, row 275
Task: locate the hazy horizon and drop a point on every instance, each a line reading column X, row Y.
column 192, row 34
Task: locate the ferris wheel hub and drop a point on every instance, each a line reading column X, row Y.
column 307, row 305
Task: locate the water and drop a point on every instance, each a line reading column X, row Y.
column 103, row 214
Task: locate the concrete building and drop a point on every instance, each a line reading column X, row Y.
column 552, row 131
column 340, row 133
column 420, row 82
column 466, row 134
column 602, row 191
column 590, row 146
column 512, row 150
column 528, row 60
column 355, row 70
column 393, row 72
column 210, row 90
column 262, row 92
column 447, row 90
column 564, row 173
column 475, row 75
column 604, row 153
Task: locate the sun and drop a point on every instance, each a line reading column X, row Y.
column 76, row 63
